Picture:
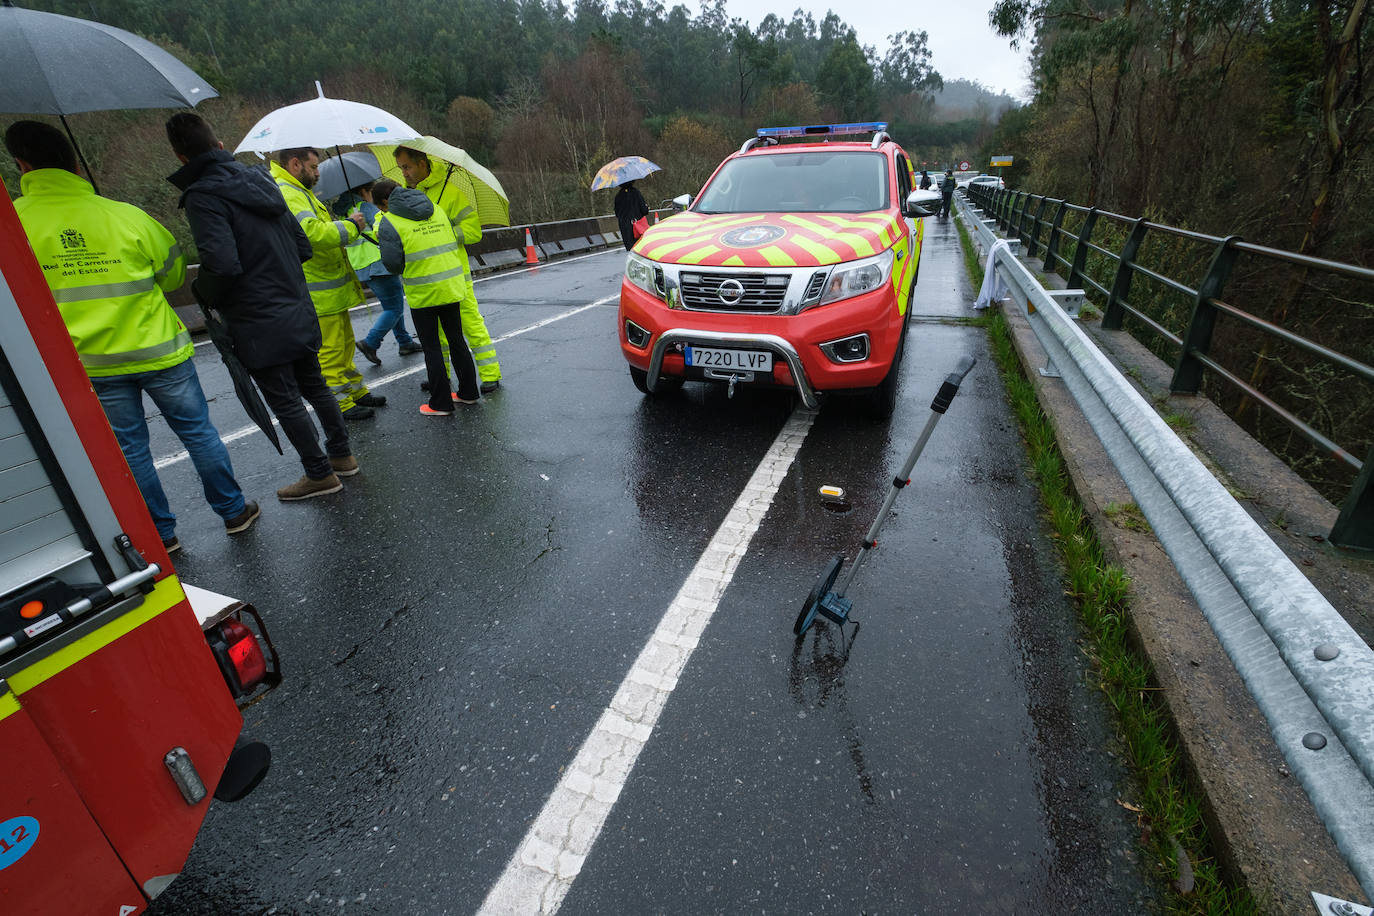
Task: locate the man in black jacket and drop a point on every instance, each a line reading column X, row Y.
column 251, row 251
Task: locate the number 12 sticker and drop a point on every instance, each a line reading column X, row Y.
column 17, row 836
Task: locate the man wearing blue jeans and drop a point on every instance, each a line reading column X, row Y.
column 176, row 392
column 366, row 259
column 108, row 265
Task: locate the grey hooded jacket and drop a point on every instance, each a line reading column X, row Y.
column 409, row 203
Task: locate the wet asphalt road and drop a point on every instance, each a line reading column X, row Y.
column 454, row 623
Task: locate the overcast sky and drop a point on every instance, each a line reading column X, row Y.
column 962, row 44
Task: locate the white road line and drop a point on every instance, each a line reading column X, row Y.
column 244, row 431
column 548, row 860
column 494, row 276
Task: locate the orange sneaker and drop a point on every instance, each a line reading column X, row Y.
column 458, row 400
column 431, row 412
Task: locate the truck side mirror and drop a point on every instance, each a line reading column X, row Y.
column 683, row 202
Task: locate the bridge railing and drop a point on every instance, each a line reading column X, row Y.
column 1309, row 672
column 1042, row 225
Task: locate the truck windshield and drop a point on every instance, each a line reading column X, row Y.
column 810, row 182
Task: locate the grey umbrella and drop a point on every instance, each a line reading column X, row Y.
column 58, row 65
column 345, row 172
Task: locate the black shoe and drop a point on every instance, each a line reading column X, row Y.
column 171, row 544
column 424, row 386
column 489, row 387
column 357, row 412
column 371, row 400
column 366, row 349
column 409, row 348
column 244, row 520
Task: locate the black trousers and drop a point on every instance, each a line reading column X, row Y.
column 286, row 387
column 427, row 322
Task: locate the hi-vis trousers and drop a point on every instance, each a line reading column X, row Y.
column 336, row 359
column 479, row 341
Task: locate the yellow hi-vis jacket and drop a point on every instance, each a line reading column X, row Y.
column 108, row 264
column 434, row 274
column 333, row 286
column 448, row 198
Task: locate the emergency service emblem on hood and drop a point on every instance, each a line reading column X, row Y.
column 752, row 236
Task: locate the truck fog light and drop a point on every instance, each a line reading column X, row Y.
column 637, row 336
column 847, row 350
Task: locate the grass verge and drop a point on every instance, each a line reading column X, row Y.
column 1168, row 811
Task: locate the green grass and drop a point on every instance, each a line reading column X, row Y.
column 1168, row 808
column 1126, row 515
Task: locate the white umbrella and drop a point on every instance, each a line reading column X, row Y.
column 323, row 122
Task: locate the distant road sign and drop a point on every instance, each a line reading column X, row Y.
column 1001, row 160
column 963, row 166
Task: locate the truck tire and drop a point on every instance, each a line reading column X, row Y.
column 666, row 384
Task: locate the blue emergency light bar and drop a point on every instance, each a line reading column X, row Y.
column 813, row 130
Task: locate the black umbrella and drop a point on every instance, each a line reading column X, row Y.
column 244, row 387
column 59, row 65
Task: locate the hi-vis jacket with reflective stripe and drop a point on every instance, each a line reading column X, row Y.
column 445, row 195
column 328, row 275
column 107, row 264
column 418, row 243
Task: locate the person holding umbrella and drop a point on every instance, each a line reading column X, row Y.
column 630, row 207
column 108, row 265
column 251, row 252
column 333, row 286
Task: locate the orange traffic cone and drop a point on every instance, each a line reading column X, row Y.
column 530, row 256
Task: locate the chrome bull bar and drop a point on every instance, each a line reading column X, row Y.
column 779, row 347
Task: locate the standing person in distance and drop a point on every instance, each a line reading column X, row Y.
column 418, row 243
column 251, row 252
column 421, row 173
column 947, row 185
column 366, row 259
column 329, row 277
column 108, row 265
column 629, row 207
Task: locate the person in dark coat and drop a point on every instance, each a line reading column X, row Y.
column 925, row 180
column 629, row 206
column 251, row 252
column 947, row 186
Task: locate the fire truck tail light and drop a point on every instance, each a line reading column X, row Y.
column 250, row 666
column 184, row 775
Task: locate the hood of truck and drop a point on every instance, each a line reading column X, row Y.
column 768, row 239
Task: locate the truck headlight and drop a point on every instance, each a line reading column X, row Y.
column 857, row 277
column 645, row 274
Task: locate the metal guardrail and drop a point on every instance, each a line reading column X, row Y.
column 1027, row 217
column 1309, row 672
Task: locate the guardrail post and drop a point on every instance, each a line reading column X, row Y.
column 1198, row 338
column 1036, row 222
column 1121, row 286
column 1021, row 218
column 1080, row 250
column 1355, row 526
column 1052, row 244
column 1008, row 207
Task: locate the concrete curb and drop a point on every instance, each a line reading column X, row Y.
column 1261, row 821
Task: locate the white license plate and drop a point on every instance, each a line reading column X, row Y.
column 716, row 358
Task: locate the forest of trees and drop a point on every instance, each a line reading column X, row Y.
column 541, row 92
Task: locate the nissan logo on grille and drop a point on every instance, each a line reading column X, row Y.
column 730, row 292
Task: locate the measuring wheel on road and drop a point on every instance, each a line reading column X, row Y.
column 813, row 601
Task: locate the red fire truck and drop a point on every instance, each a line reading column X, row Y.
column 119, row 715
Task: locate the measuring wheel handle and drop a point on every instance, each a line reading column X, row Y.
column 950, row 388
